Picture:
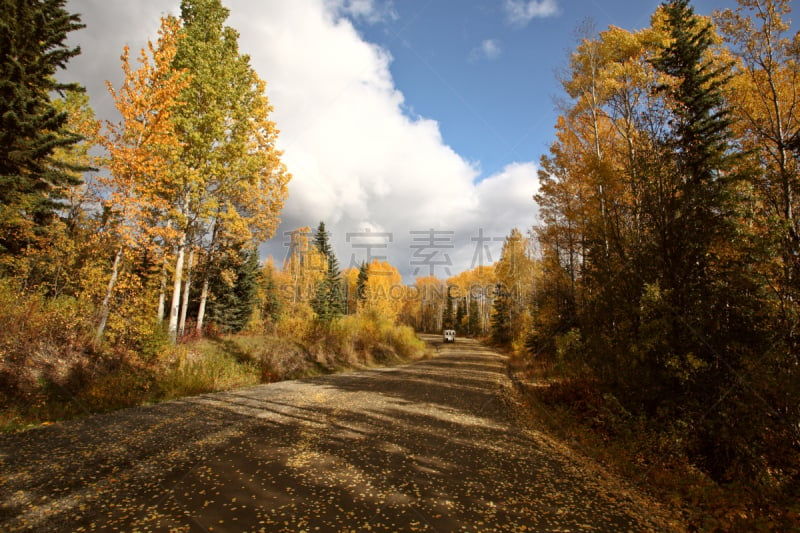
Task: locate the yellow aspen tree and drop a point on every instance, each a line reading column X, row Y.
column 235, row 183
column 384, row 290
column 142, row 150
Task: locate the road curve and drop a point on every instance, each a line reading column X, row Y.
column 430, row 446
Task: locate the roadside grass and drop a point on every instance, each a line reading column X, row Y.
column 653, row 459
column 105, row 381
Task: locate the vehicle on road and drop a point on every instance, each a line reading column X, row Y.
column 449, row 335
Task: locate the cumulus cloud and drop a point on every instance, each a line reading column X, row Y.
column 489, row 49
column 384, row 182
column 521, row 12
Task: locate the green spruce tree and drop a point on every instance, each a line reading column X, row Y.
column 328, row 301
column 33, row 34
column 703, row 307
column 234, row 295
column 474, row 318
column 501, row 317
column 361, row 284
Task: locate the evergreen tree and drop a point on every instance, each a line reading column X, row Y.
column 474, row 318
column 698, row 146
column 328, row 301
column 461, row 312
column 361, row 283
column 32, row 49
column 231, row 303
column 448, row 320
column 692, row 220
column 501, row 319
column 702, row 302
column 272, row 307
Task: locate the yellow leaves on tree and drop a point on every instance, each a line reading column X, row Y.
column 142, row 147
column 142, row 150
column 385, row 292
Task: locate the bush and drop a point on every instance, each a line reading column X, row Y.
column 43, row 340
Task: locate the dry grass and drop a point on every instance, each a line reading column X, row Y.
column 49, row 371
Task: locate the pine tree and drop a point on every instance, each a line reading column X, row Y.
column 703, row 305
column 693, row 217
column 328, row 301
column 272, row 307
column 698, row 144
column 32, row 49
column 461, row 313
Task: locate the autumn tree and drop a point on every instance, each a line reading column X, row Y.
column 142, row 152
column 233, row 184
column 303, row 268
column 665, row 242
column 764, row 108
column 33, row 48
column 514, row 273
column 384, row 290
column 764, row 103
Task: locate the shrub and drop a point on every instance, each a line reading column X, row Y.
column 43, row 340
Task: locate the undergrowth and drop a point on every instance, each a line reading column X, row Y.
column 652, row 454
column 49, row 370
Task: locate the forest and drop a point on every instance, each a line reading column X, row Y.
column 654, row 302
column 662, row 300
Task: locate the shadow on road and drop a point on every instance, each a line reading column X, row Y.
column 427, row 447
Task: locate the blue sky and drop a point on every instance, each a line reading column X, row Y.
column 401, row 120
column 493, row 107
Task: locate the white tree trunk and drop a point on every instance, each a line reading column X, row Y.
column 186, row 286
column 177, row 279
column 104, row 307
column 162, row 293
column 201, row 312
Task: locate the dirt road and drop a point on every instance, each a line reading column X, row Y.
column 431, row 446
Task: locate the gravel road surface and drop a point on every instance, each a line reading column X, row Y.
column 429, row 446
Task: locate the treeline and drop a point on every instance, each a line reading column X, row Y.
column 667, row 273
column 309, row 286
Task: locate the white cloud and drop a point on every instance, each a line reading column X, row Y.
column 521, row 12
column 371, row 11
column 489, row 49
column 359, row 161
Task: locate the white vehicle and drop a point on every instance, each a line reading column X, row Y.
column 449, row 335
